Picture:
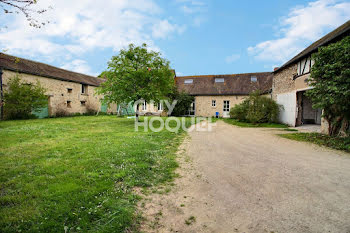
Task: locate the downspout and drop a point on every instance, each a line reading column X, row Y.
column 1, row 97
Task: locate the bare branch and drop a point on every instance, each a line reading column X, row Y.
column 24, row 7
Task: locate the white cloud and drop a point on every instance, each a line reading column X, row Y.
column 302, row 26
column 77, row 27
column 232, row 58
column 163, row 29
column 80, row 66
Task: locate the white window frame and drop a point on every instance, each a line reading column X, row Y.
column 213, row 103
column 226, row 107
column 188, row 81
column 160, row 106
column 253, row 79
column 219, row 80
column 144, row 106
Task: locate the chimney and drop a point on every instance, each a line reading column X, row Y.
column 276, row 68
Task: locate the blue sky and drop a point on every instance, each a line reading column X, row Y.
column 197, row 36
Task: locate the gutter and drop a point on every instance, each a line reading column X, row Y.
column 1, row 97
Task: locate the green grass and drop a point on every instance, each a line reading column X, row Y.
column 77, row 174
column 321, row 139
column 251, row 125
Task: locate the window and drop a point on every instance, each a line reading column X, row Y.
column 69, row 90
column 84, row 89
column 226, row 106
column 213, row 103
column 219, row 80
column 144, row 105
column 69, row 104
column 83, row 103
column 304, row 66
column 160, row 106
column 188, row 81
column 192, row 110
column 253, row 79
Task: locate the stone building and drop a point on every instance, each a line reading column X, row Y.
column 67, row 91
column 290, row 83
column 217, row 94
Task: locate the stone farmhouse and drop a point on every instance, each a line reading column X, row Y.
column 215, row 95
column 290, row 83
column 66, row 90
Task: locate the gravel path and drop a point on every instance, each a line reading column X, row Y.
column 250, row 180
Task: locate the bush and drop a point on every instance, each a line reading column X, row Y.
column 21, row 99
column 90, row 110
column 61, row 111
column 183, row 104
column 256, row 109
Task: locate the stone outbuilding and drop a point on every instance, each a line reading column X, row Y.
column 290, row 84
column 217, row 94
column 67, row 91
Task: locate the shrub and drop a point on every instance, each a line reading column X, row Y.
column 256, row 109
column 90, row 110
column 183, row 104
column 240, row 111
column 21, row 99
column 61, row 111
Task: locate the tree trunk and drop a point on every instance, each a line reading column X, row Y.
column 344, row 128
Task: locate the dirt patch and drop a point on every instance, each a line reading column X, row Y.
column 250, row 180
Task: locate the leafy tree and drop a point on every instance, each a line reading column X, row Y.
column 137, row 73
column 21, row 99
column 330, row 77
column 256, row 109
column 24, row 7
column 183, row 104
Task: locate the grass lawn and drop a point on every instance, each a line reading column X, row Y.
column 77, row 174
column 321, row 139
column 251, row 125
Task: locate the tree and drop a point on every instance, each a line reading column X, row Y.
column 330, row 77
column 21, row 99
column 24, row 7
column 183, row 103
column 135, row 74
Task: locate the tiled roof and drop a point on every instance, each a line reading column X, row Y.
column 21, row 65
column 234, row 84
column 343, row 30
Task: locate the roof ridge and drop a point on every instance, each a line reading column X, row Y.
column 212, row 75
column 42, row 63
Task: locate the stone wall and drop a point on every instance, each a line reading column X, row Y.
column 60, row 92
column 283, row 81
column 204, row 106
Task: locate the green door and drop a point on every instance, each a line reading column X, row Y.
column 104, row 107
column 42, row 112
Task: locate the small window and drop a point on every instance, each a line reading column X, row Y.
column 84, row 89
column 253, row 79
column 83, row 103
column 226, row 106
column 69, row 90
column 144, row 106
column 160, row 106
column 69, row 104
column 188, row 81
column 213, row 103
column 219, row 80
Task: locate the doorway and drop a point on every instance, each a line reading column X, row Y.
column 306, row 113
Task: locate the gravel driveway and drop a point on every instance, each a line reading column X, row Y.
column 251, row 180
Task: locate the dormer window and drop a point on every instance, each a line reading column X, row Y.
column 253, row 79
column 219, row 80
column 188, row 81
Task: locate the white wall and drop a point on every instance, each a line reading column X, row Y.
column 289, row 112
